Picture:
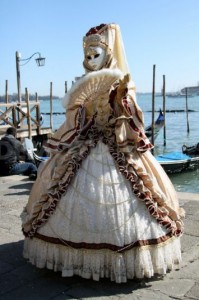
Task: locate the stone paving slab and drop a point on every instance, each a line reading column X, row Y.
column 20, row 280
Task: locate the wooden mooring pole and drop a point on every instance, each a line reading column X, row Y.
column 28, row 114
column 6, row 91
column 38, row 114
column 51, row 105
column 164, row 108
column 187, row 111
column 66, row 87
column 153, row 108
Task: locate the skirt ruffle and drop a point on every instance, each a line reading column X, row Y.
column 91, row 264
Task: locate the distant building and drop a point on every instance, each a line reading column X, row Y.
column 191, row 90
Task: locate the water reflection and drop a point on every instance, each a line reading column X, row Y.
column 186, row 181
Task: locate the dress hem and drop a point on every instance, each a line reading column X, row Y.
column 138, row 262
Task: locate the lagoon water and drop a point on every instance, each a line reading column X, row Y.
column 176, row 130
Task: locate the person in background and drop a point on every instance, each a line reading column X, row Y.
column 14, row 158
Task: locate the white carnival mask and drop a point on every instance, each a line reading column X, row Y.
column 95, row 57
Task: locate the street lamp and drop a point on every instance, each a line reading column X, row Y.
column 40, row 63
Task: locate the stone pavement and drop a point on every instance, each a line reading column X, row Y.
column 21, row 280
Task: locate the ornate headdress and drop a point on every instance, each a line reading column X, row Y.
column 96, row 37
column 107, row 36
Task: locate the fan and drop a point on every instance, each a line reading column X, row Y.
column 91, row 86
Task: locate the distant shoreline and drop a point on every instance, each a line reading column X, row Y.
column 14, row 98
column 175, row 110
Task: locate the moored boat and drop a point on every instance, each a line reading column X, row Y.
column 159, row 123
column 177, row 162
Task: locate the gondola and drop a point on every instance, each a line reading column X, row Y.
column 159, row 123
column 178, row 162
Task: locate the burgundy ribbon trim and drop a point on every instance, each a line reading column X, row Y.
column 100, row 246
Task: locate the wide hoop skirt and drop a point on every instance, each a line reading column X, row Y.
column 101, row 229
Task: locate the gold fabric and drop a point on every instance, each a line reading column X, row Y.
column 103, row 133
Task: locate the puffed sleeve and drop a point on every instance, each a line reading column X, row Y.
column 129, row 125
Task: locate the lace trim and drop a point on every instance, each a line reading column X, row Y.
column 92, row 231
column 99, row 203
column 101, row 180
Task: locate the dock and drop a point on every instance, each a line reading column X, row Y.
column 26, row 117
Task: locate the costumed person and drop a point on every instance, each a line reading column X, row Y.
column 102, row 206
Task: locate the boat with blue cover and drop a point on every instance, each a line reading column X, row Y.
column 177, row 162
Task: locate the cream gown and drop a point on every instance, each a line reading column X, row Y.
column 102, row 206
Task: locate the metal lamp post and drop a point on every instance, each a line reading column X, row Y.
column 39, row 60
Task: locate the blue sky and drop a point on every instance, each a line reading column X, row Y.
column 164, row 33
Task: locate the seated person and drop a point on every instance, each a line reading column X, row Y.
column 14, row 158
